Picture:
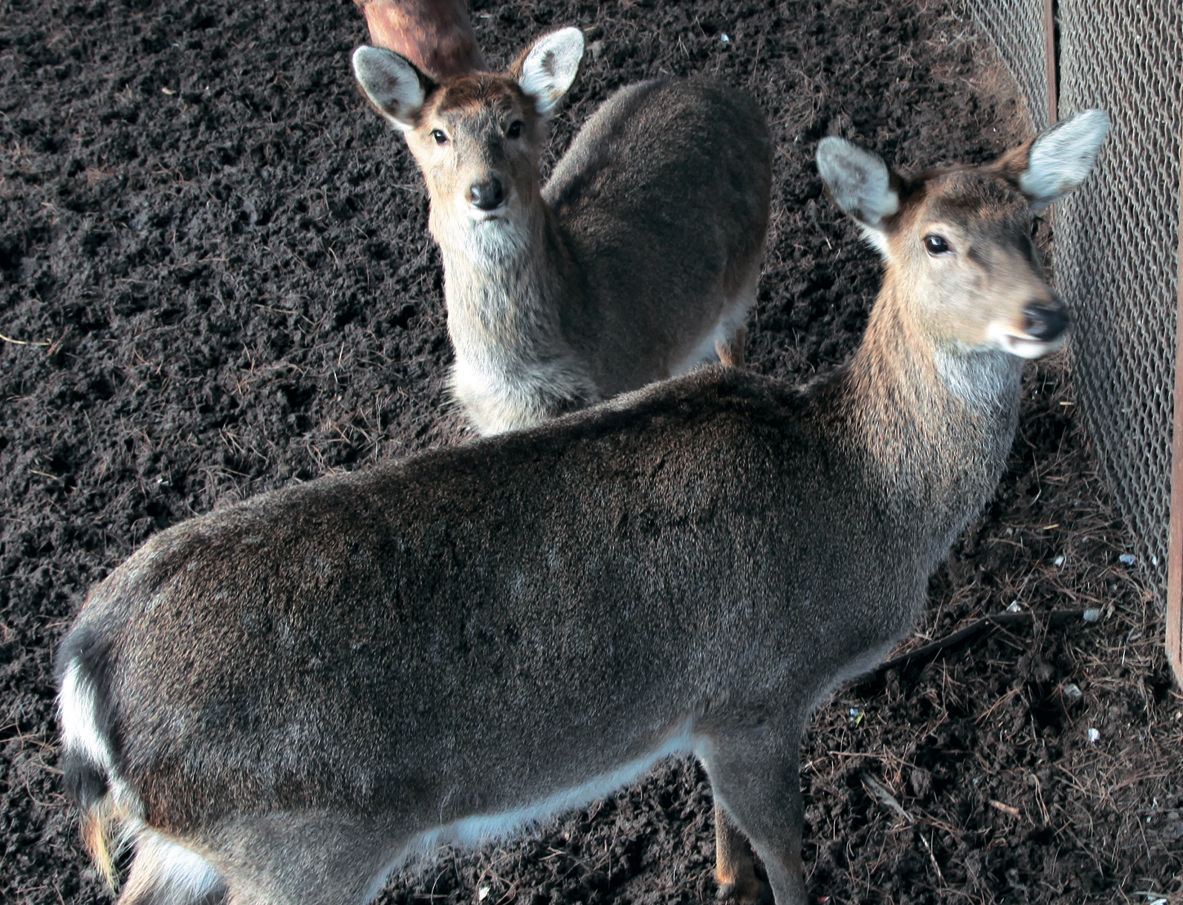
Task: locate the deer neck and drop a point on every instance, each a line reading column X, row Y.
column 503, row 283
column 932, row 425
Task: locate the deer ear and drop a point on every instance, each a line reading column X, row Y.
column 861, row 184
column 1058, row 160
column 394, row 87
column 548, row 68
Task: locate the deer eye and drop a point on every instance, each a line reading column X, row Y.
column 439, row 137
column 936, row 245
column 515, row 129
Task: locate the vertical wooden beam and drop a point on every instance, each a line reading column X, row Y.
column 1175, row 545
column 1051, row 60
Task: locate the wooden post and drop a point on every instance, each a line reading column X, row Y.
column 1051, row 60
column 1175, row 544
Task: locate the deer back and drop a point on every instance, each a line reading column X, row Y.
column 340, row 647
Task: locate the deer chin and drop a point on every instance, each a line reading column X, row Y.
column 478, row 216
column 1024, row 346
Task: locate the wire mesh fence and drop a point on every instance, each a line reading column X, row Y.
column 1017, row 29
column 1116, row 242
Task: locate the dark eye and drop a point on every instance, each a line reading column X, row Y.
column 515, row 129
column 439, row 136
column 936, row 245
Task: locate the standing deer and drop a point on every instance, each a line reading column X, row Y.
column 639, row 259
column 282, row 700
column 435, row 35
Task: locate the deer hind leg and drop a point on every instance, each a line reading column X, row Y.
column 735, row 866
column 730, row 349
column 754, row 777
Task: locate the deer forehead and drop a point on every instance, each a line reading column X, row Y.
column 476, row 100
column 969, row 204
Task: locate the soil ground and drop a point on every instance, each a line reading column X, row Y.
column 216, row 279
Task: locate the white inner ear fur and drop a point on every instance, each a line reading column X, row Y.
column 391, row 84
column 550, row 68
column 1062, row 157
column 860, row 183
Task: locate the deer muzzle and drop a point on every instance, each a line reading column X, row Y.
column 487, row 195
column 1046, row 322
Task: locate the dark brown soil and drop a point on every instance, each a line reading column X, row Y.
column 217, row 279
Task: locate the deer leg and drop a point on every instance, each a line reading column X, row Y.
column 735, row 867
column 755, row 780
column 730, row 351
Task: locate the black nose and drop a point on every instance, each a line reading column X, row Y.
column 486, row 195
column 1045, row 322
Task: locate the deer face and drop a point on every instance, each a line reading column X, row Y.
column 478, row 143
column 957, row 242
column 961, row 247
column 477, row 137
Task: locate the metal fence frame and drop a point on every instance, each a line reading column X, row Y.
column 1118, row 244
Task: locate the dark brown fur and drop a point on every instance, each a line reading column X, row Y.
column 286, row 696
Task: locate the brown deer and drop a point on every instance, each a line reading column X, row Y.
column 283, row 699
column 435, row 35
column 637, row 261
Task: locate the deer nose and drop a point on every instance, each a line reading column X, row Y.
column 1045, row 322
column 487, row 195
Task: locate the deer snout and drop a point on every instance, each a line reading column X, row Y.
column 487, row 195
column 1043, row 326
column 1045, row 322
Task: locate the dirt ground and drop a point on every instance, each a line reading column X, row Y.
column 217, row 280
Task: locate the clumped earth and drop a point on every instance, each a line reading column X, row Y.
column 217, row 280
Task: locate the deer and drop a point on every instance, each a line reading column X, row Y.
column 285, row 699
column 638, row 260
column 435, row 35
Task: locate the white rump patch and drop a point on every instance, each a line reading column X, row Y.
column 76, row 712
column 170, row 872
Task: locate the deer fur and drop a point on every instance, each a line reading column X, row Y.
column 284, row 699
column 435, row 35
column 637, row 261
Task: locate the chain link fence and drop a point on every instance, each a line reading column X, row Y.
column 1117, row 240
column 1018, row 29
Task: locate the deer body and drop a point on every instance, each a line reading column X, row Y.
column 283, row 699
column 638, row 260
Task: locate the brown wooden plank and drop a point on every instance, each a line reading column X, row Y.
column 1051, row 59
column 1175, row 546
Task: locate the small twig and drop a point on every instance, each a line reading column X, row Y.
column 883, row 795
column 933, row 858
column 1005, row 808
column 23, row 342
column 969, row 632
